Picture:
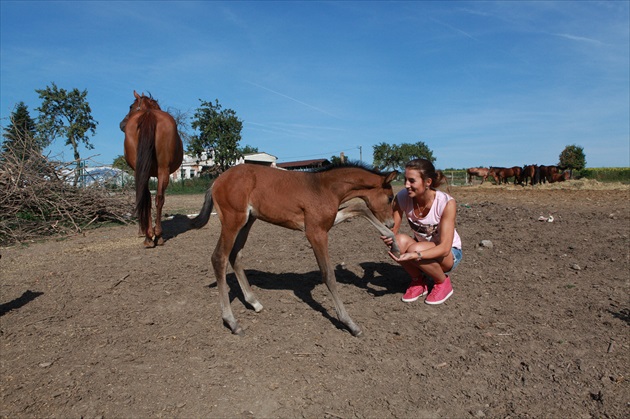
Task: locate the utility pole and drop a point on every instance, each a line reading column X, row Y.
column 360, row 154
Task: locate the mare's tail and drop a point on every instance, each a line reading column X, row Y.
column 204, row 215
column 145, row 156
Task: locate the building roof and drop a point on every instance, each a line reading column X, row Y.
column 260, row 157
column 303, row 164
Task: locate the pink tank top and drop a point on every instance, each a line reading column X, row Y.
column 427, row 228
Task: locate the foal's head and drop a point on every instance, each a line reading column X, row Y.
column 373, row 186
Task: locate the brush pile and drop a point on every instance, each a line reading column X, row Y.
column 38, row 199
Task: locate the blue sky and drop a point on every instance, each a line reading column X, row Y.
column 481, row 83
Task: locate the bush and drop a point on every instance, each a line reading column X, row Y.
column 185, row 186
column 605, row 174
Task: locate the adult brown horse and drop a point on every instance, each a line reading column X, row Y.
column 529, row 172
column 152, row 148
column 307, row 201
column 481, row 172
column 560, row 177
column 502, row 174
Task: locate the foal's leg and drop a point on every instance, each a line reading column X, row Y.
column 319, row 242
column 159, row 203
column 236, row 259
column 230, row 227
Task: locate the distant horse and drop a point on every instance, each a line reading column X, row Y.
column 552, row 171
column 502, row 174
column 546, row 173
column 152, row 149
column 560, row 177
column 481, row 172
column 529, row 172
column 307, row 201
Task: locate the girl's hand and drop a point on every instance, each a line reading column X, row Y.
column 387, row 240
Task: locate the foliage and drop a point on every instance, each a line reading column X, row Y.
column 605, row 174
column 181, row 119
column 335, row 160
column 248, row 149
column 392, row 156
column 572, row 157
column 20, row 136
column 196, row 185
column 121, row 163
column 219, row 130
column 67, row 115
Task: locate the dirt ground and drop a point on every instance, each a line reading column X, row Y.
column 96, row 326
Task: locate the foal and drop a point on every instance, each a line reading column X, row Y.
column 307, row 201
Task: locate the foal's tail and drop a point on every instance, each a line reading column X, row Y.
column 204, row 215
column 145, row 156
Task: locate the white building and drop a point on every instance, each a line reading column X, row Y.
column 193, row 166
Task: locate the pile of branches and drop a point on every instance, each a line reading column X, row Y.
column 38, row 199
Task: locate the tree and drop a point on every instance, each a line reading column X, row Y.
column 219, row 130
column 392, row 156
column 67, row 115
column 20, row 137
column 181, row 119
column 121, row 163
column 248, row 149
column 572, row 157
column 386, row 156
column 418, row 150
column 334, row 159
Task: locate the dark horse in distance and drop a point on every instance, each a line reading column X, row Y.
column 153, row 148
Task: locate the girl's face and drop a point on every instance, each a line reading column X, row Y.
column 415, row 185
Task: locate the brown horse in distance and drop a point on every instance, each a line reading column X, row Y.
column 153, row 148
column 529, row 172
column 560, row 177
column 502, row 174
column 481, row 172
column 546, row 173
column 306, row 201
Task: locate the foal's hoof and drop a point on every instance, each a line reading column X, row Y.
column 148, row 244
column 356, row 332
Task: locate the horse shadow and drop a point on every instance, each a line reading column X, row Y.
column 175, row 226
column 21, row 301
column 379, row 279
column 623, row 315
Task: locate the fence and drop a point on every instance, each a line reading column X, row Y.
column 455, row 177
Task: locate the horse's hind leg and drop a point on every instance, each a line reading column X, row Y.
column 236, row 259
column 159, row 204
column 219, row 263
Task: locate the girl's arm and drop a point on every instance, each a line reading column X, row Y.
column 447, row 233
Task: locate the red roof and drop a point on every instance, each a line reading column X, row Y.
column 304, row 164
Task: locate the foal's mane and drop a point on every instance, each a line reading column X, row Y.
column 355, row 164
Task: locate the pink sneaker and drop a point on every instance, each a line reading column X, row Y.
column 440, row 292
column 416, row 289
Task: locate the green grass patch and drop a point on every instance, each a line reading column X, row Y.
column 605, row 174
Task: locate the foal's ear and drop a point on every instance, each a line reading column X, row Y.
column 391, row 176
